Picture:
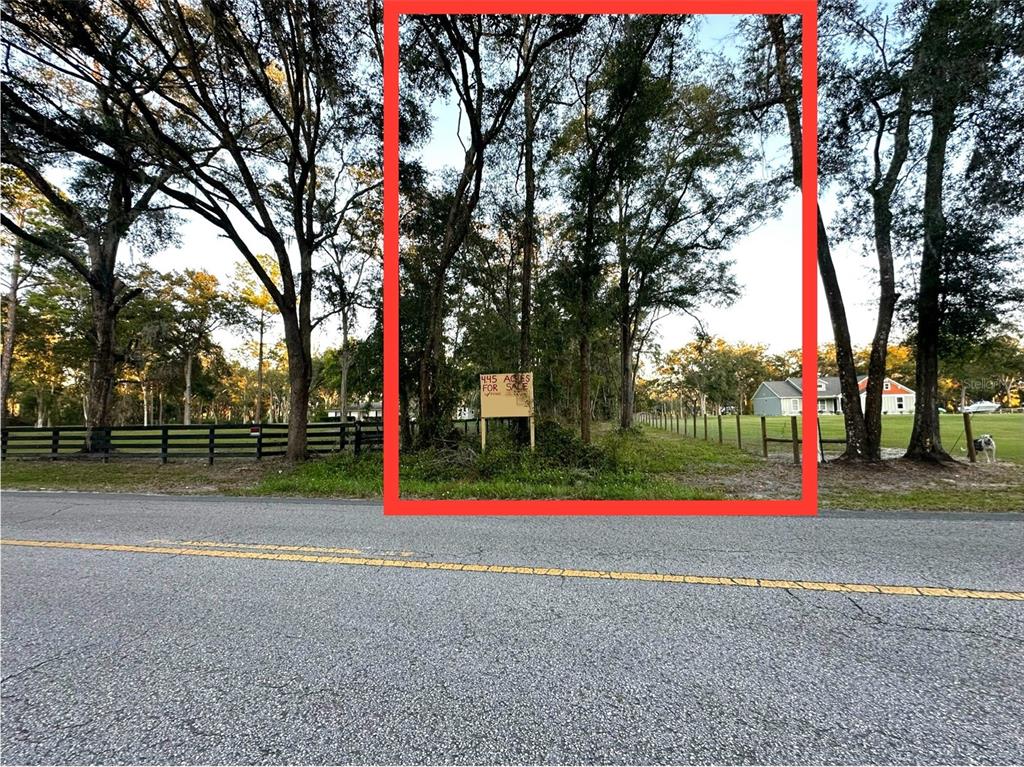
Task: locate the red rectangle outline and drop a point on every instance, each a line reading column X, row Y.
column 807, row 504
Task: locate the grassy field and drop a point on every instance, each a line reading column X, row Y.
column 633, row 466
column 1006, row 428
column 649, row 464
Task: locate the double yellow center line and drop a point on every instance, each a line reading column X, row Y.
column 355, row 557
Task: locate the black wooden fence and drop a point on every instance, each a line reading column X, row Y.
column 167, row 441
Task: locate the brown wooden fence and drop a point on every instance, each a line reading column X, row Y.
column 172, row 441
column 690, row 425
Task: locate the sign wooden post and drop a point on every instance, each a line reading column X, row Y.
column 506, row 395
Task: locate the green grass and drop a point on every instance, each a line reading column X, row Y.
column 343, row 475
column 632, row 466
column 646, row 464
column 1006, row 428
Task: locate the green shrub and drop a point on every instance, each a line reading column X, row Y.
column 440, row 463
column 558, row 446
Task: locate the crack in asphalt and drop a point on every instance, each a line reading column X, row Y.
column 867, row 618
column 46, row 516
column 877, row 620
column 35, row 666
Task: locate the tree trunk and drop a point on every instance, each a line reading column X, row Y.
column 259, row 370
column 925, row 443
column 883, row 327
column 403, row 415
column 187, row 412
column 145, row 405
column 529, row 233
column 882, row 189
column 300, row 375
column 584, row 343
column 853, row 414
column 626, row 393
column 10, row 327
column 344, row 360
column 428, row 425
column 103, row 366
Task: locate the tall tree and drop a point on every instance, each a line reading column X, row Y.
column 774, row 64
column 466, row 50
column 69, row 100
column 673, row 223
column 617, row 95
column 30, row 211
column 201, row 307
column 276, row 147
column 965, row 46
column 869, row 96
column 259, row 307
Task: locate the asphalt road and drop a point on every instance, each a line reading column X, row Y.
column 190, row 630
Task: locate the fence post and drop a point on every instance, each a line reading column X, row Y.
column 163, row 443
column 695, row 423
column 739, row 431
column 719, row 428
column 764, row 436
column 259, row 441
column 107, row 432
column 796, row 439
column 209, row 443
column 971, row 452
column 359, row 439
column 3, row 444
column 342, row 422
column 705, row 425
column 821, row 441
column 54, row 444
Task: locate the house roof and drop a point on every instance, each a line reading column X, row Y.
column 782, row 388
column 793, row 386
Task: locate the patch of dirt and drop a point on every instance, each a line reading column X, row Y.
column 779, row 478
column 901, row 475
column 770, row 480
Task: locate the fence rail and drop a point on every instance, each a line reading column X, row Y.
column 681, row 424
column 168, row 441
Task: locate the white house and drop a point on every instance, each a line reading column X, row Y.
column 786, row 397
column 368, row 410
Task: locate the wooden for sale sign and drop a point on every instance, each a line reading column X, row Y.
column 506, row 395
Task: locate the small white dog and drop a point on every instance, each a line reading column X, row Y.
column 985, row 444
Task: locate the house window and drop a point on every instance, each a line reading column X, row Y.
column 886, row 386
column 899, row 403
column 821, row 386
